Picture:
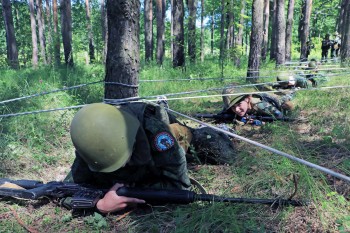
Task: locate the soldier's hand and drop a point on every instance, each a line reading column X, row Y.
column 111, row 202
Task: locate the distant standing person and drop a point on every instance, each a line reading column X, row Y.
column 336, row 45
column 326, row 45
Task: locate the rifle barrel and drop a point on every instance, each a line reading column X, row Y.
column 283, row 202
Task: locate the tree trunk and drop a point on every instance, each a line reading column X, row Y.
column 273, row 31
column 265, row 30
column 255, row 40
column 172, row 31
column 289, row 30
column 148, row 22
column 160, row 30
column 123, row 54
column 104, row 30
column 49, row 23
column 304, row 27
column 57, row 44
column 90, row 34
column 202, row 30
column 342, row 17
column 345, row 46
column 12, row 52
column 222, row 31
column 230, row 26
column 239, row 37
column 34, row 36
column 281, row 34
column 66, row 28
column 178, row 18
column 41, row 28
column 192, row 11
column 212, row 28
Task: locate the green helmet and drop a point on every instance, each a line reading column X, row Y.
column 104, row 136
column 284, row 77
column 312, row 65
column 236, row 99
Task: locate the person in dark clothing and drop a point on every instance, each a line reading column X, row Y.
column 326, row 45
column 135, row 144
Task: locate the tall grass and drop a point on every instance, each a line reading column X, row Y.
column 37, row 145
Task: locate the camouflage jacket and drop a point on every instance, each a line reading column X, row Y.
column 157, row 160
column 262, row 105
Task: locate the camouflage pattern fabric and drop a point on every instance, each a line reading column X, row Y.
column 262, row 104
column 157, row 160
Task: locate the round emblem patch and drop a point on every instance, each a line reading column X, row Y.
column 163, row 141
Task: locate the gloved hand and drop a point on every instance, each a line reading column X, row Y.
column 250, row 121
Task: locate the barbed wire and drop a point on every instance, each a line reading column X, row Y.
column 49, row 92
column 275, row 151
column 164, row 80
column 148, row 98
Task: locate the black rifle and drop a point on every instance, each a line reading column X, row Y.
column 84, row 197
column 230, row 117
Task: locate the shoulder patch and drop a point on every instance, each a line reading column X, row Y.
column 163, row 141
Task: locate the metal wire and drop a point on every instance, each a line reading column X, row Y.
column 307, row 163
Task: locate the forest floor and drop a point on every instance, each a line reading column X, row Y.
column 320, row 135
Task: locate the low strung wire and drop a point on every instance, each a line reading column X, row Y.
column 149, row 98
column 302, row 161
column 164, row 80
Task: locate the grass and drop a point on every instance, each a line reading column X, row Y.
column 38, row 146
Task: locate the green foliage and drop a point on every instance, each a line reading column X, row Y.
column 96, row 221
column 36, row 145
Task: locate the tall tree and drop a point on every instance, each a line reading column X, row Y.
column 281, row 33
column 239, row 37
column 304, row 27
column 289, row 29
column 41, row 28
column 89, row 30
column 160, row 30
column 202, row 29
column 104, row 29
column 212, row 29
column 66, row 28
column 57, row 44
column 11, row 44
column 345, row 46
column 123, row 54
column 177, row 12
column 34, row 36
column 222, row 31
column 230, row 26
column 273, row 30
column 255, row 41
column 265, row 29
column 340, row 20
column 192, row 17
column 49, row 23
column 148, row 21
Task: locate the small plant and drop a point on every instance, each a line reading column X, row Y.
column 96, row 220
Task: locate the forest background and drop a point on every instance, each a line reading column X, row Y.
column 49, row 46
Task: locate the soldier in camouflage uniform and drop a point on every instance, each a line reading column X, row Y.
column 136, row 144
column 246, row 106
column 311, row 78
